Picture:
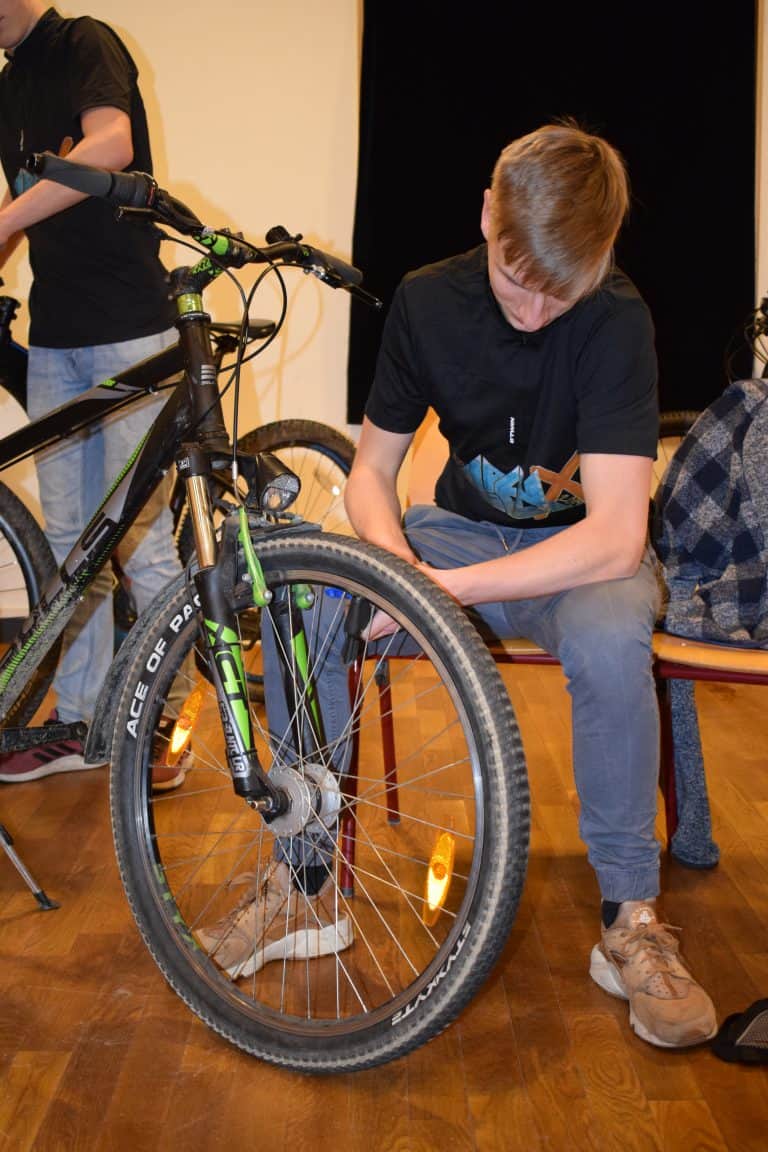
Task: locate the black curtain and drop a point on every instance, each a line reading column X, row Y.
column 673, row 89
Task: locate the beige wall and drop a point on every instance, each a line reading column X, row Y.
column 253, row 112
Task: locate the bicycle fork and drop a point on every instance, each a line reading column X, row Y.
column 218, row 591
column 230, row 580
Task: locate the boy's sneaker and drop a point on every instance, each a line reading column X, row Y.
column 641, row 963
column 43, row 760
column 275, row 921
column 168, row 772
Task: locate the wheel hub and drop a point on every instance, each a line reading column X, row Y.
column 314, row 798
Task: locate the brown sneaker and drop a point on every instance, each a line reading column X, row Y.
column 641, row 963
column 169, row 768
column 275, row 921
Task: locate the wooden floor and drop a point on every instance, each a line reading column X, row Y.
column 97, row 1053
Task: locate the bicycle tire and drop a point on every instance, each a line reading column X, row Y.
column 26, row 565
column 321, row 457
column 461, row 774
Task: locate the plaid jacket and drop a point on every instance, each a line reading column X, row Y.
column 710, row 522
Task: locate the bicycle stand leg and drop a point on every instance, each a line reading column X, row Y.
column 46, row 904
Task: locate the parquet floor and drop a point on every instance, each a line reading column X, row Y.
column 96, row 1053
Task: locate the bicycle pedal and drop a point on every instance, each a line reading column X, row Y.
column 19, row 739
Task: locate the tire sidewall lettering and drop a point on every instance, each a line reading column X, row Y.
column 436, row 980
column 154, row 663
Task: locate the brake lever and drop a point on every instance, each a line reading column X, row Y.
column 134, row 213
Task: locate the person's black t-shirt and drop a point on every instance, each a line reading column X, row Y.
column 517, row 408
column 95, row 280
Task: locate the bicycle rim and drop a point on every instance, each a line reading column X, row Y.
column 402, row 958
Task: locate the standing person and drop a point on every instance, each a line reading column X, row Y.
column 98, row 303
column 537, row 354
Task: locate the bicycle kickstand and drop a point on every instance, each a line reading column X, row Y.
column 46, row 904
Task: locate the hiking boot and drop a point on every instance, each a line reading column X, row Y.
column 640, row 962
column 275, row 921
column 168, row 768
column 43, row 760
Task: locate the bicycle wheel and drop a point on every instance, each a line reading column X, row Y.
column 320, row 456
column 26, row 564
column 425, row 852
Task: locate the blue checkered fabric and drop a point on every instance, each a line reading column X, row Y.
column 710, row 522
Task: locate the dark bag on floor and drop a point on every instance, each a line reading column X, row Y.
column 743, row 1037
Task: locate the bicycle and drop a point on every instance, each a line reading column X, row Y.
column 422, row 868
column 319, row 454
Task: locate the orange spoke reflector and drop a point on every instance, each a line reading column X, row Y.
column 439, row 875
column 182, row 729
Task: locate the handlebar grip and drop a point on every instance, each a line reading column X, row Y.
column 347, row 272
column 130, row 189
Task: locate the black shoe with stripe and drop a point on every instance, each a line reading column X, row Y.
column 44, row 760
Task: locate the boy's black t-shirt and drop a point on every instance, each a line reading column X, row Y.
column 517, row 408
column 96, row 280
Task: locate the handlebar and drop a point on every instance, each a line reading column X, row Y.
column 138, row 194
column 129, row 189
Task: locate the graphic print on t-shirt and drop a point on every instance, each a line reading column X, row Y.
column 525, row 497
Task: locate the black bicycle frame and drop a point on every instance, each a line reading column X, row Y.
column 194, row 405
column 129, row 492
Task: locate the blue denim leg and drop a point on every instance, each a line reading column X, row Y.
column 601, row 633
column 325, row 635
column 73, row 478
column 290, row 734
column 324, row 630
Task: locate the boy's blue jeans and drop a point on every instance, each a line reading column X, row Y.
column 74, row 477
column 601, row 633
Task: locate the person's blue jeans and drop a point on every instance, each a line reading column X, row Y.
column 601, row 633
column 74, row 477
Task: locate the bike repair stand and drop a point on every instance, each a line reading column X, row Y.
column 11, row 740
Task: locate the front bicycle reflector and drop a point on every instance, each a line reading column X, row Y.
column 182, row 729
column 439, row 875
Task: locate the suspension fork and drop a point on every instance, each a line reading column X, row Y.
column 220, row 593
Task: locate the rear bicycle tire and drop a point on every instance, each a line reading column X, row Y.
column 26, row 564
column 461, row 774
